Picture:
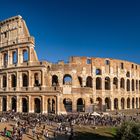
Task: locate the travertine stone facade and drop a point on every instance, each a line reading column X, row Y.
column 83, row 84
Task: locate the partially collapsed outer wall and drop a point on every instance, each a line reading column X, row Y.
column 83, row 84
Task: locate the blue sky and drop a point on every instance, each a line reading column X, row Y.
column 64, row 28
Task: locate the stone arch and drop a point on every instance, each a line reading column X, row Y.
column 37, row 105
column 98, row 83
column 107, row 83
column 53, row 106
column 49, row 105
column 4, row 81
column 139, row 85
column 67, row 79
column 136, row 84
column 122, row 83
column 36, row 80
column 128, row 74
column 55, row 80
column 128, row 85
column 108, row 103
column 25, row 55
column 24, row 105
column 133, row 102
column 80, row 105
column 4, row 104
column 133, row 85
column 98, row 72
column 24, row 80
column 5, row 59
column 80, row 81
column 14, row 57
column 89, row 82
column 13, row 80
column 116, row 103
column 99, row 103
column 14, row 103
column 137, row 103
column 128, row 102
column 122, row 103
column 67, row 104
column 115, row 83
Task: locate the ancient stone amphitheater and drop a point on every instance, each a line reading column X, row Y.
column 83, row 84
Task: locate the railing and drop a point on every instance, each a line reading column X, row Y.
column 17, row 41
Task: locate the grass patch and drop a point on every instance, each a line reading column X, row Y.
column 90, row 133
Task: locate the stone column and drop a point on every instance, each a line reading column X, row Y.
column 8, row 76
column 0, row 103
column 119, row 84
column 30, row 104
column 20, row 56
column 43, row 104
column 8, row 103
column 74, row 105
column 42, row 78
column 10, row 59
column 119, row 104
column 19, row 105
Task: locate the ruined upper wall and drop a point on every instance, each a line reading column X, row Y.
column 13, row 31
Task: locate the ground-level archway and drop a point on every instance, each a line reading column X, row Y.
column 14, row 104
column 115, row 103
column 37, row 105
column 80, row 105
column 67, row 104
column 24, row 105
column 122, row 103
column 108, row 103
column 4, row 104
column 99, row 103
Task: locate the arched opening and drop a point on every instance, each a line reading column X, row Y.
column 139, row 85
column 5, row 60
column 115, row 83
column 80, row 80
column 36, row 80
column 128, row 102
column 115, row 103
column 128, row 74
column 128, row 85
column 108, row 103
column 4, row 104
column 89, row 82
column 122, row 103
column 133, row 85
column 24, row 105
column 49, row 106
column 55, row 80
column 37, row 105
column 98, row 83
column 67, row 80
column 14, row 104
column 107, row 83
column 67, row 104
column 136, row 84
column 14, row 56
column 133, row 103
column 122, row 84
column 98, row 72
column 53, row 106
column 4, row 81
column 99, row 103
column 107, row 62
column 24, row 80
column 13, row 80
column 80, row 105
column 137, row 103
column 25, row 55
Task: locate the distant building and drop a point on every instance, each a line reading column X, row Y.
column 81, row 85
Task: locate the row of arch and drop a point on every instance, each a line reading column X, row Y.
column 51, row 105
column 25, row 80
column 15, row 57
column 124, row 84
column 123, row 103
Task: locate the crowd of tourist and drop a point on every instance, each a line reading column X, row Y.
column 38, row 124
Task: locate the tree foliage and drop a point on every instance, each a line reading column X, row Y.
column 128, row 131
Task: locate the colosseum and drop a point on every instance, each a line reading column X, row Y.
column 83, row 84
